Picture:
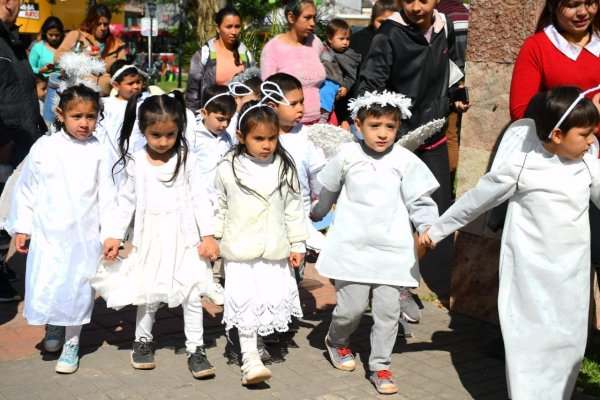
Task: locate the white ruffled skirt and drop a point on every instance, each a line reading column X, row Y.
column 260, row 295
column 160, row 269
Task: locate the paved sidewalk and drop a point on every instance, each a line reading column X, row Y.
column 446, row 359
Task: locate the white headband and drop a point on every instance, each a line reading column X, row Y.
column 120, row 71
column 268, row 93
column 384, row 98
column 571, row 107
column 227, row 93
column 235, row 86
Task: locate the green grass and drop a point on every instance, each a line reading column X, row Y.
column 589, row 374
column 428, row 297
column 169, row 86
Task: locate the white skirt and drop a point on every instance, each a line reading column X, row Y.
column 161, row 269
column 260, row 295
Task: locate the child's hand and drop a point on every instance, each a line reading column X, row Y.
column 341, row 93
column 208, row 248
column 424, row 240
column 296, row 259
column 110, row 249
column 461, row 107
column 20, row 243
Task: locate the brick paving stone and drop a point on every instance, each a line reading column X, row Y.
column 445, row 360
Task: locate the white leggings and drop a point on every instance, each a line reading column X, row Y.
column 72, row 333
column 192, row 319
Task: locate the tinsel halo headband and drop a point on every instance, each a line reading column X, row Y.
column 271, row 92
column 384, row 98
column 571, row 107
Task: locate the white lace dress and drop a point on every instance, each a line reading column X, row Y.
column 261, row 294
column 164, row 264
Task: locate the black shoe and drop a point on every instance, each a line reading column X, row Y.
column 294, row 326
column 7, row 292
column 8, row 272
column 142, row 354
column 199, row 365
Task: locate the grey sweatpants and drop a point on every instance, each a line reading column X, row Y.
column 352, row 299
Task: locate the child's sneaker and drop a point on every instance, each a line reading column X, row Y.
column 216, row 294
column 54, row 338
column 340, row 358
column 199, row 365
column 404, row 329
column 408, row 307
column 262, row 351
column 253, row 370
column 142, row 354
column 69, row 359
column 383, row 382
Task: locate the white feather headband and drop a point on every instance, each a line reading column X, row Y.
column 384, row 98
column 76, row 68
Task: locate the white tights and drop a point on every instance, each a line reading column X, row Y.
column 72, row 334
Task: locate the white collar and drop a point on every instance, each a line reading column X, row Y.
column 569, row 49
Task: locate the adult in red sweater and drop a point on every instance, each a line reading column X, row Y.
column 565, row 50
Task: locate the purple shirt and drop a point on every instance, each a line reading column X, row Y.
column 304, row 63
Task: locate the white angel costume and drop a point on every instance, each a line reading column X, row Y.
column 543, row 298
column 259, row 228
column 58, row 200
column 309, row 161
column 370, row 239
column 210, row 149
column 164, row 265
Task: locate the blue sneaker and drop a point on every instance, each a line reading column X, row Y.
column 69, row 359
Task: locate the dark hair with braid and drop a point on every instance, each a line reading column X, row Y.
column 219, row 16
column 152, row 110
column 77, row 93
column 266, row 117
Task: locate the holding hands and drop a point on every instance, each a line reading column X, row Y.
column 208, row 248
column 424, row 240
column 21, row 243
column 296, row 259
column 110, row 249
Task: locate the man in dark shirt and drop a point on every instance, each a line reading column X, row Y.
column 20, row 120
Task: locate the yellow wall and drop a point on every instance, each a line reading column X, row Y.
column 70, row 12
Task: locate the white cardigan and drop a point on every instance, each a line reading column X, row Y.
column 268, row 224
column 192, row 199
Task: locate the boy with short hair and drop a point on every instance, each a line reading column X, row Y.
column 211, row 142
column 341, row 65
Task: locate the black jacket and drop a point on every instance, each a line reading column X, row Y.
column 401, row 59
column 20, row 118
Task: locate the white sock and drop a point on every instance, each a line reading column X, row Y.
column 248, row 341
column 72, row 334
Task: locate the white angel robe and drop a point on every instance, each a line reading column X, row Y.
column 309, row 161
column 370, row 239
column 543, row 299
column 58, row 200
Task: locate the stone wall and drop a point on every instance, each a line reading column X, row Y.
column 496, row 31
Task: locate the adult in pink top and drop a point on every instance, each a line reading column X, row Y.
column 564, row 51
column 297, row 52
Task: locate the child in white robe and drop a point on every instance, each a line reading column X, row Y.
column 543, row 298
column 308, row 158
column 212, row 142
column 380, row 189
column 173, row 228
column 262, row 229
column 58, row 201
column 126, row 81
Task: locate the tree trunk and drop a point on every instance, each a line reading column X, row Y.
column 206, row 14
